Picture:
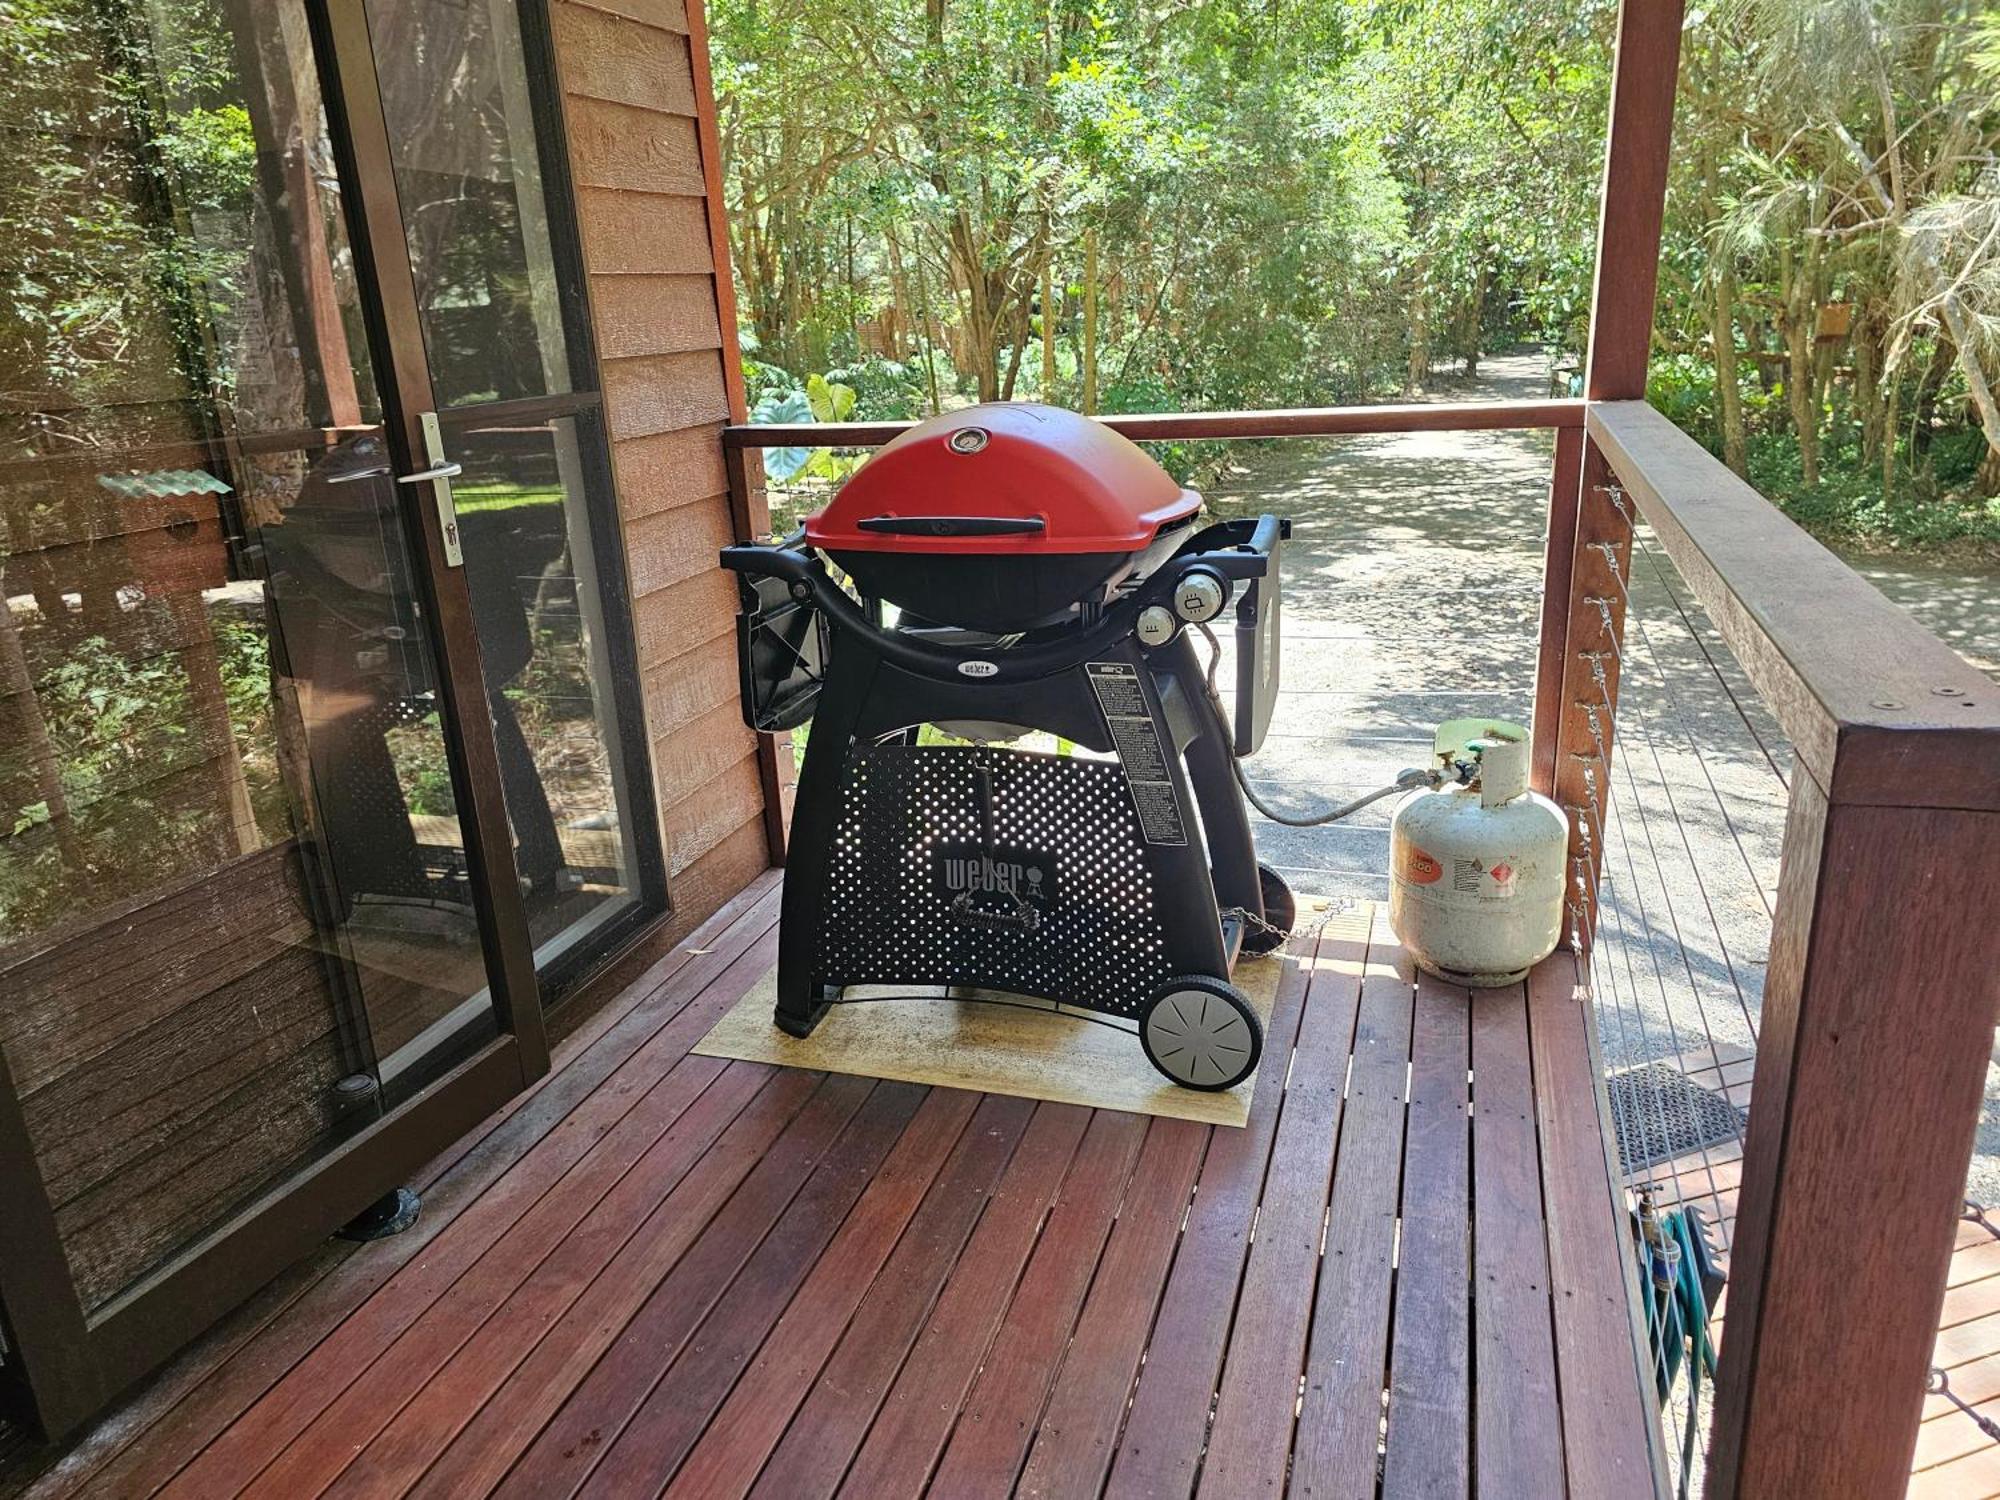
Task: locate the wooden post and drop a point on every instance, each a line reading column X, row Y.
column 1558, row 562
column 1871, row 1066
column 1583, row 595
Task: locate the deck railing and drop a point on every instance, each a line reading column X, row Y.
column 1881, row 994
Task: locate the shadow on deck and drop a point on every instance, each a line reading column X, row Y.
column 660, row 1271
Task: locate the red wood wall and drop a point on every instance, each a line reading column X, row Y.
column 632, row 102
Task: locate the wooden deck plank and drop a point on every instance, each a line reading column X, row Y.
column 663, row 1431
column 1591, row 1276
column 592, row 1135
column 1952, row 1435
column 1340, row 1414
column 698, row 1375
column 844, row 1287
column 539, row 1266
column 1976, row 1381
column 1976, row 1476
column 1427, row 1450
column 1073, row 1448
column 1161, row 1446
column 1970, row 1300
column 923, row 1405
column 1251, row 1438
column 1517, row 1436
column 821, row 1442
column 485, row 1445
column 1001, row 1412
column 515, row 1156
column 402, row 1453
column 563, row 1450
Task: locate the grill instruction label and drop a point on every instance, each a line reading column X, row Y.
column 1136, row 738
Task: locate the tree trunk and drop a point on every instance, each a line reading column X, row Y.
column 1801, row 323
column 1728, row 390
column 1420, row 335
column 1867, row 386
column 1089, row 360
column 1891, row 416
column 1722, row 311
column 1048, row 329
column 1017, row 347
column 1982, row 393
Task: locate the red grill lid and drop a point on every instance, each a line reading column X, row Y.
column 1006, row 477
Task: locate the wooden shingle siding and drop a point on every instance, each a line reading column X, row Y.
column 660, row 315
column 680, row 618
column 694, row 682
column 607, row 56
column 663, row 393
column 695, row 754
column 662, row 550
column 639, row 150
column 694, row 825
column 668, row 469
column 632, row 91
column 669, row 15
column 642, row 234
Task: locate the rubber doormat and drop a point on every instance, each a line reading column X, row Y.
column 1660, row 1114
column 1027, row 1048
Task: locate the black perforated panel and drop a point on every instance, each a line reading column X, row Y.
column 888, row 919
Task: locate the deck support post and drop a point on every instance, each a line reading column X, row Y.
column 1590, row 532
column 1871, row 1066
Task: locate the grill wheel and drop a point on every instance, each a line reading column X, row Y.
column 1201, row 1032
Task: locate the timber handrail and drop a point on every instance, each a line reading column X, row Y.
column 1878, row 709
column 1306, row 421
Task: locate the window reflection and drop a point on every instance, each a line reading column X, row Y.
column 235, row 917
column 469, row 181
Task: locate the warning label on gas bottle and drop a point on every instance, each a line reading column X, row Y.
column 1489, row 882
column 1136, row 737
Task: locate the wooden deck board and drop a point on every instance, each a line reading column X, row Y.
column 662, row 1273
column 1427, row 1449
column 1517, row 1425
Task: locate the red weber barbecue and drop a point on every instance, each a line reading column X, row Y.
column 1010, row 569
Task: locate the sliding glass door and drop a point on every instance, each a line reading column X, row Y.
column 498, row 293
column 319, row 766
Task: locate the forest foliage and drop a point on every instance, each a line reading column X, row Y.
column 1128, row 205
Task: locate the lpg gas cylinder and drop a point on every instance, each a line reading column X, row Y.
column 1476, row 866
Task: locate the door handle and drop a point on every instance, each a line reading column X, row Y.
column 358, row 475
column 439, row 477
column 425, row 476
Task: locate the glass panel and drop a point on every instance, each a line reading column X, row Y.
column 539, row 604
column 455, row 91
column 535, row 505
column 234, row 915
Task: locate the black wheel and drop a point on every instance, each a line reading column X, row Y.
column 1281, row 911
column 1201, row 1032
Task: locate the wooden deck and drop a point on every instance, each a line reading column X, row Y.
column 662, row 1272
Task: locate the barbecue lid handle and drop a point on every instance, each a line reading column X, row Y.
column 952, row 525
